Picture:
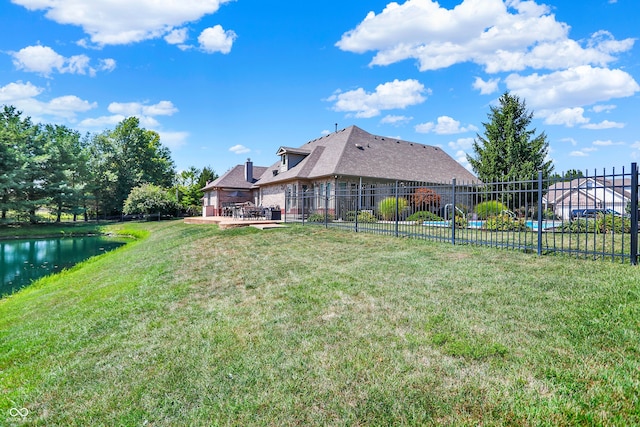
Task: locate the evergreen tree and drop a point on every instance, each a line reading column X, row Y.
column 569, row 175
column 31, row 176
column 63, row 166
column 189, row 185
column 509, row 150
column 13, row 131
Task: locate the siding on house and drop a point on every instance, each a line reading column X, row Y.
column 587, row 193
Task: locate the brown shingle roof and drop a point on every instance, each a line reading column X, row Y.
column 235, row 179
column 355, row 152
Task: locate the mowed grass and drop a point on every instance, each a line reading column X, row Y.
column 62, row 229
column 308, row 326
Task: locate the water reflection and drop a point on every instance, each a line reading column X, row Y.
column 22, row 261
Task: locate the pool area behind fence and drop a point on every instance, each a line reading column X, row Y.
column 592, row 216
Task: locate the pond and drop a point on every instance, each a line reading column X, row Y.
column 23, row 261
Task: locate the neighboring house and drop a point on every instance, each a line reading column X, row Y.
column 336, row 163
column 587, row 193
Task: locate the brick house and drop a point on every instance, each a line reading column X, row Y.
column 332, row 164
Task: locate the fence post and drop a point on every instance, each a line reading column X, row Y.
column 634, row 214
column 326, row 205
column 358, row 203
column 453, row 211
column 301, row 197
column 539, row 213
column 397, row 211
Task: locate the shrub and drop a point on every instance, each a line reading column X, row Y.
column 504, row 222
column 462, row 208
column 461, row 222
column 613, row 224
column 150, row 199
column 490, row 208
column 424, row 216
column 319, row 217
column 426, row 198
column 580, row 226
column 365, row 216
column 350, row 216
column 387, row 207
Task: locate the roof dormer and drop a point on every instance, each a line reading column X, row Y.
column 290, row 157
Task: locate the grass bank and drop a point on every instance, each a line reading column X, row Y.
column 308, row 326
column 62, row 229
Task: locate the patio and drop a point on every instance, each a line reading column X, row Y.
column 225, row 222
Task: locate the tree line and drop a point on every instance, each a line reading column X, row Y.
column 53, row 167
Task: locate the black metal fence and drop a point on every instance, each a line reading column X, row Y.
column 588, row 216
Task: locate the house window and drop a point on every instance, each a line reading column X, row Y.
column 372, row 196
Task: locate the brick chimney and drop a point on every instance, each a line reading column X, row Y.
column 248, row 171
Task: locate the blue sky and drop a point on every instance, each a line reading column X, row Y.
column 226, row 80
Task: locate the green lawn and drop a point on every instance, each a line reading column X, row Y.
column 308, row 326
column 62, row 229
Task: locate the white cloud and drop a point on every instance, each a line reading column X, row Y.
column 445, row 126
column 177, row 36
column 388, row 96
column 502, row 36
column 486, row 87
column 395, row 120
column 603, row 108
column 38, row 59
column 216, row 39
column 607, row 143
column 107, row 121
column 162, row 108
column 462, row 144
column 570, row 140
column 44, row 60
column 584, row 85
column 239, row 149
column 18, row 91
column 62, row 107
column 606, row 124
column 461, row 157
column 173, row 140
column 145, row 113
column 567, row 116
column 23, row 97
column 101, row 122
column 78, row 64
column 109, row 22
column 108, row 64
column 498, row 35
column 578, row 154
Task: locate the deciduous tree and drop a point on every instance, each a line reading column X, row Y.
column 127, row 157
